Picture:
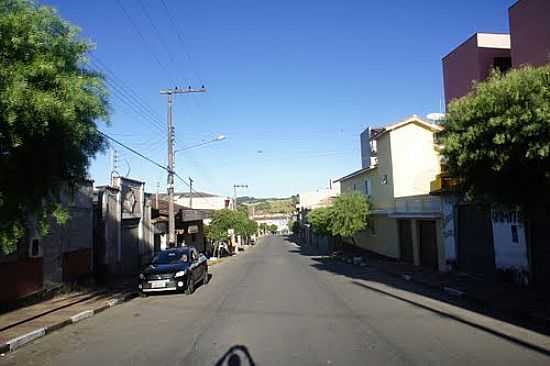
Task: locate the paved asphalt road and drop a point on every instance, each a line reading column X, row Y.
column 285, row 308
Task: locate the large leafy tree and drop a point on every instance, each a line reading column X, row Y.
column 49, row 102
column 349, row 215
column 346, row 217
column 497, row 139
column 222, row 221
column 319, row 219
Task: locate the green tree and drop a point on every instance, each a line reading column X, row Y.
column 222, row 221
column 346, row 217
column 263, row 227
column 319, row 219
column 349, row 215
column 497, row 139
column 49, row 102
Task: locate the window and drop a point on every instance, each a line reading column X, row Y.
column 385, row 179
column 367, row 190
column 514, row 229
column 502, row 64
column 354, row 186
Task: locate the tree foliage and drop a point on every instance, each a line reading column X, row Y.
column 224, row 220
column 319, row 219
column 497, row 138
column 49, row 102
column 347, row 216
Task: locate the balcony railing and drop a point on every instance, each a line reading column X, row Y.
column 418, row 205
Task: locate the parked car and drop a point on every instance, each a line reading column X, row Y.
column 176, row 269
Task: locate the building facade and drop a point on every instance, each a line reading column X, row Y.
column 406, row 222
column 489, row 241
column 64, row 254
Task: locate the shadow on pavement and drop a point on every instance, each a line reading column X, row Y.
column 236, row 356
column 324, row 262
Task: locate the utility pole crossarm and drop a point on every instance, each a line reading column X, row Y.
column 182, row 91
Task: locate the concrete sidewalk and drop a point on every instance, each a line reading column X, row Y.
column 23, row 325
column 515, row 303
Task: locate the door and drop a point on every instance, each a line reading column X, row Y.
column 405, row 241
column 129, row 258
column 427, row 241
column 475, row 248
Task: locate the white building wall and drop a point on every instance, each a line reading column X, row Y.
column 313, row 199
column 202, row 203
column 509, row 254
column 448, row 230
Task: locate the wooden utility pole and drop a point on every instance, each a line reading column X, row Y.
column 170, row 186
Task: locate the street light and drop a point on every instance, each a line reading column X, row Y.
column 217, row 139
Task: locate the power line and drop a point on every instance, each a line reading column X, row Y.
column 199, row 194
column 132, row 150
column 153, row 54
column 180, row 37
column 101, row 65
column 156, row 30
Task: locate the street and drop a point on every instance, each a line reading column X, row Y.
column 284, row 308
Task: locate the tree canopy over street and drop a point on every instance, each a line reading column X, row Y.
column 49, row 102
column 497, row 138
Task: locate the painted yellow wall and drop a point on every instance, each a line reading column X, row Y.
column 415, row 161
column 385, row 241
column 384, row 192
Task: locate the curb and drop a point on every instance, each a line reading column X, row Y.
column 20, row 341
column 474, row 300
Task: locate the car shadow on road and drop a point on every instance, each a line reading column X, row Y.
column 361, row 276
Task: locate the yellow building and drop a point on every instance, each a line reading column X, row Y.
column 399, row 162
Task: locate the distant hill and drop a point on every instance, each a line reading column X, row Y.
column 269, row 206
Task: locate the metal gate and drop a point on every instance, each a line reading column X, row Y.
column 427, row 241
column 475, row 248
column 405, row 241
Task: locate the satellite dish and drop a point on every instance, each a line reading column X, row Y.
column 436, row 116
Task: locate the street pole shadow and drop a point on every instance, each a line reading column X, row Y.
column 237, row 355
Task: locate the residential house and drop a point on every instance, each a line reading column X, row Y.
column 406, row 223
column 489, row 239
column 64, row 254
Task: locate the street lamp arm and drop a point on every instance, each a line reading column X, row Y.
column 219, row 138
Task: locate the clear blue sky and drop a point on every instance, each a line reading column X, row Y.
column 297, row 80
